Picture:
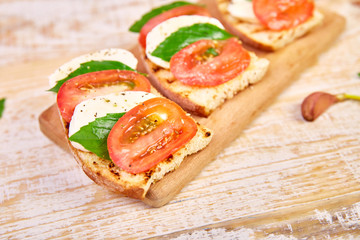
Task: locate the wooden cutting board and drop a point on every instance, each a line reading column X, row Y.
column 229, row 120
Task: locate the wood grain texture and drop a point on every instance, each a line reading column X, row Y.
column 282, row 178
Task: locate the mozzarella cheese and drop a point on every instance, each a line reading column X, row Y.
column 163, row 30
column 88, row 110
column 112, row 54
column 242, row 10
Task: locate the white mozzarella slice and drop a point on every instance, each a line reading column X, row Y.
column 112, row 54
column 243, row 10
column 159, row 33
column 88, row 110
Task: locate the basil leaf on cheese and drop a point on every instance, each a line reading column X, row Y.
column 93, row 136
column 186, row 36
column 136, row 27
column 2, row 106
column 92, row 66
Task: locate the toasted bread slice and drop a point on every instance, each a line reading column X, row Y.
column 202, row 101
column 257, row 35
column 106, row 173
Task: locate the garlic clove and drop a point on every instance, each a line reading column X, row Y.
column 316, row 103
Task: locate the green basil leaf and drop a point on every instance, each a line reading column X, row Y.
column 92, row 66
column 136, row 27
column 93, row 136
column 2, row 106
column 186, row 36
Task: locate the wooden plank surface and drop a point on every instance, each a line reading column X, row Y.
column 282, row 178
column 240, row 110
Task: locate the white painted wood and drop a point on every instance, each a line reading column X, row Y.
column 282, row 177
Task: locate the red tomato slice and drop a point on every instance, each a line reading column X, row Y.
column 194, row 66
column 282, row 14
column 175, row 12
column 148, row 134
column 89, row 85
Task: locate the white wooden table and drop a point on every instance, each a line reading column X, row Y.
column 282, row 178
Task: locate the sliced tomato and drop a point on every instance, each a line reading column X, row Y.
column 282, row 14
column 175, row 12
column 149, row 134
column 195, row 65
column 93, row 84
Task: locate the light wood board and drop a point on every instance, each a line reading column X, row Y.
column 229, row 120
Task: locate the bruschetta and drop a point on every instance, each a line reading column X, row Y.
column 124, row 135
column 195, row 62
column 267, row 25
